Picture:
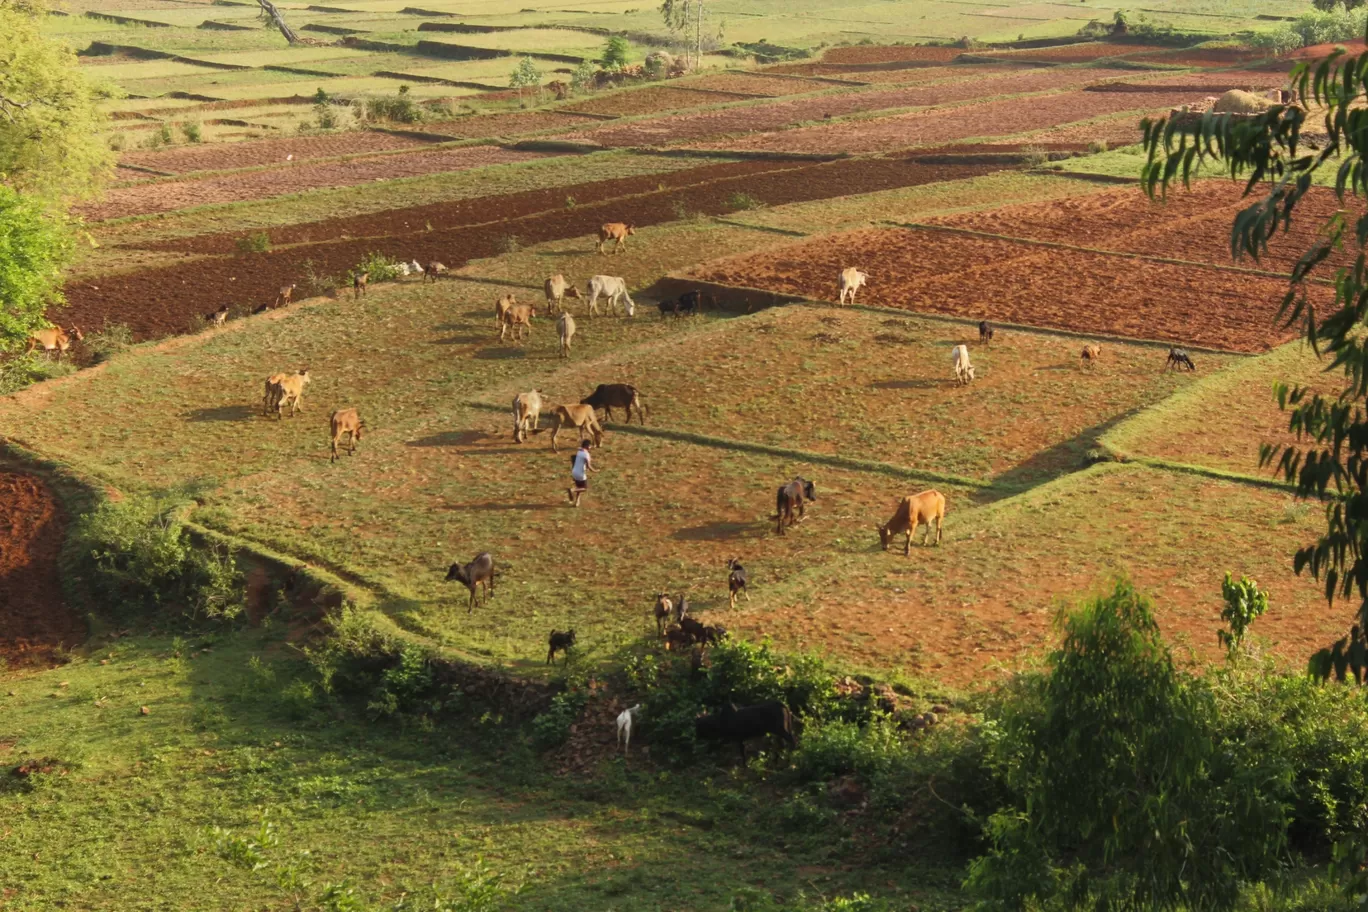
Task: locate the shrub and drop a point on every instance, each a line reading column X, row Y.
column 1313, row 27
column 1035, row 156
column 405, row 686
column 118, row 141
column 1245, row 603
column 27, row 369
column 380, row 267
column 316, row 283
column 1097, row 146
column 105, row 343
column 191, row 132
column 584, row 78
column 325, row 116
column 552, row 727
column 257, row 242
column 615, row 51
column 394, row 108
column 525, row 76
column 744, row 201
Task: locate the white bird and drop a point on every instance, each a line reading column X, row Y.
column 624, row 722
column 289, row 158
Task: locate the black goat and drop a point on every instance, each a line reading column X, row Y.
column 560, row 642
column 480, row 570
column 740, row 724
column 1178, row 359
column 736, row 580
column 790, row 496
column 985, row 332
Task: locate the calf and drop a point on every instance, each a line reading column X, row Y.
column 581, row 418
column 614, row 288
column 617, row 232
column 359, row 284
column 790, row 496
column 434, row 271
column 285, row 295
column 526, row 414
column 692, row 628
column 345, row 421
column 479, row 572
column 1178, row 359
column 736, row 580
column 959, row 359
column 502, row 306
column 608, row 396
column 851, row 280
column 557, row 290
column 560, row 642
column 712, row 635
column 741, row 724
column 912, row 511
column 1090, row 356
column 518, row 318
column 985, row 332
column 565, row 328
column 54, row 340
column 283, row 390
column 663, row 609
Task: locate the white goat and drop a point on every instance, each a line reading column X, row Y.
column 624, row 722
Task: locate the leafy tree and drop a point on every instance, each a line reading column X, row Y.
column 686, row 18
column 34, row 246
column 1245, row 603
column 615, row 52
column 1329, row 462
column 50, row 129
column 526, row 75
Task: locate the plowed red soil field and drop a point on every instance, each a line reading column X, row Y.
column 653, row 100
column 503, row 125
column 225, row 156
column 890, row 54
column 34, row 623
column 1193, row 225
column 169, row 195
column 757, row 84
column 776, row 115
column 984, row 278
column 994, row 118
column 1205, row 57
column 1076, row 53
column 162, row 302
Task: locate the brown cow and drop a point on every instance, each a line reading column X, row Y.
column 287, row 389
column 518, row 317
column 581, row 418
column 345, row 421
column 616, row 232
column 1091, row 355
column 501, row 307
column 54, row 340
column 914, row 510
column 557, row 290
column 285, row 295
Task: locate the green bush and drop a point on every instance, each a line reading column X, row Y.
column 584, row 78
column 615, row 51
column 191, row 132
column 552, row 727
column 407, row 685
column 1313, row 27
column 744, row 201
column 394, row 108
column 380, row 268
column 257, row 242
column 837, row 748
column 105, row 343
column 25, row 370
column 135, row 556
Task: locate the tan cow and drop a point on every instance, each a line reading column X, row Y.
column 616, row 232
column 581, row 418
column 285, row 295
column 914, row 510
column 851, row 281
column 566, row 327
column 286, row 389
column 345, row 421
column 1090, row 356
column 527, row 409
column 501, row 307
column 557, row 290
column 518, row 317
column 55, row 339
column 359, row 284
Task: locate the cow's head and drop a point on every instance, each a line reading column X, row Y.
column 572, row 291
column 809, row 490
column 631, row 229
column 456, row 572
column 883, row 536
column 75, row 333
column 360, row 426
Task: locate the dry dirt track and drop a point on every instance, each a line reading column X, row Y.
column 34, row 623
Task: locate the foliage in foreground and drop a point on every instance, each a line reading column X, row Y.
column 34, row 246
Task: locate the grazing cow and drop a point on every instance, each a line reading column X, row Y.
column 985, row 332
column 851, row 281
column 285, row 295
column 912, row 511
column 690, row 302
column 565, row 327
column 345, row 421
column 581, row 418
column 964, row 371
column 557, row 290
column 741, row 724
column 560, row 642
column 1091, row 355
column 479, row 572
column 624, row 726
column 502, row 306
column 359, row 284
column 790, row 496
column 736, row 580
column 616, row 232
column 218, row 317
column 609, row 396
column 614, row 288
column 676, row 640
column 526, row 413
column 519, row 318
column 286, row 389
column 1178, row 359
column 434, row 271
column 54, row 340
column 692, row 628
column 663, row 609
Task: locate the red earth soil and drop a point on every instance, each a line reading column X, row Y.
column 165, row 301
column 756, row 84
column 986, row 278
column 1076, row 53
column 1321, row 51
column 479, row 126
column 890, row 54
column 777, row 115
column 653, row 100
column 1193, row 225
column 225, row 156
column 170, row 195
column 34, row 624
column 994, row 118
column 1205, row 57
column 855, row 72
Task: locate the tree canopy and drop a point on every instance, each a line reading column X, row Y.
column 34, row 246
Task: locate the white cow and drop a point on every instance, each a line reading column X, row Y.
column 852, row 280
column 614, row 288
column 527, row 409
column 624, row 726
column 964, row 371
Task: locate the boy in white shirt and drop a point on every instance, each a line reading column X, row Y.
column 581, row 464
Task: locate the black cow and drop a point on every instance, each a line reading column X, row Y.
column 560, row 642
column 740, row 724
column 609, row 396
column 985, row 332
column 1178, row 359
column 791, row 496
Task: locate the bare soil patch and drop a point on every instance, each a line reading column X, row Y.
column 1205, row 57
column 1004, row 281
column 890, row 54
column 756, row 84
column 653, row 100
column 479, row 126
column 169, row 195
column 34, row 623
column 226, row 156
column 1078, row 53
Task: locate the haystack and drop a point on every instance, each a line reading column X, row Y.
column 1238, row 101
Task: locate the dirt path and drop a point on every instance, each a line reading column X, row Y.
column 34, row 622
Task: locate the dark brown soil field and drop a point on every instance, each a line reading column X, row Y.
column 703, row 125
column 890, row 54
column 994, row 118
column 984, row 278
column 1204, row 57
column 922, row 75
column 34, row 623
column 226, row 156
column 1077, row 53
column 169, row 195
column 757, row 84
column 653, row 100
column 167, row 301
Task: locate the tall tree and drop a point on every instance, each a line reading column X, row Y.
column 1329, row 463
column 686, row 18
